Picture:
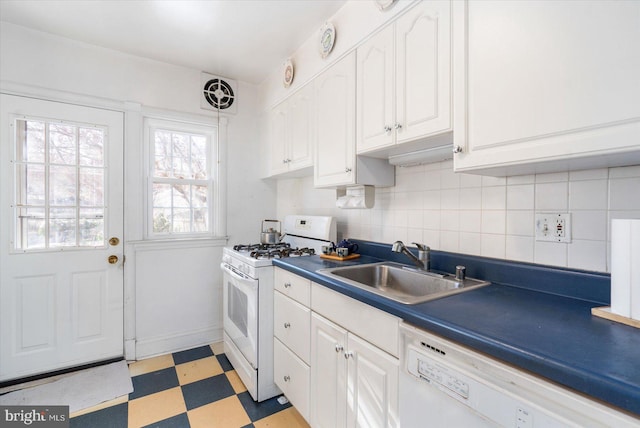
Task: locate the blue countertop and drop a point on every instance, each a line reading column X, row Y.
column 539, row 320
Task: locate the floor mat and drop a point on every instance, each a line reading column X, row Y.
column 79, row 391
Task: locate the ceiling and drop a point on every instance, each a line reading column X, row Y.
column 240, row 39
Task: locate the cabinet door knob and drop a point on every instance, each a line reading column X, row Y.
column 457, row 149
column 387, row 128
column 348, row 355
column 287, row 284
column 397, row 126
column 339, row 348
column 287, row 325
column 347, row 170
column 287, row 378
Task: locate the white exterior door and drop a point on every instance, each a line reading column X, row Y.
column 61, row 236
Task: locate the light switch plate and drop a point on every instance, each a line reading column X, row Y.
column 553, row 227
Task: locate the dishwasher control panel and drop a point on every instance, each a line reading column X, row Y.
column 443, row 377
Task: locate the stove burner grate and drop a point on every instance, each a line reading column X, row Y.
column 260, row 247
column 273, row 251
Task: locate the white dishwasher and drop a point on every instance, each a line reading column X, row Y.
column 443, row 384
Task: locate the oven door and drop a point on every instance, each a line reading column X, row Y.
column 240, row 312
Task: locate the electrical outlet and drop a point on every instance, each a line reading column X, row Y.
column 553, row 227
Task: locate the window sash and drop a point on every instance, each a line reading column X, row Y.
column 183, row 217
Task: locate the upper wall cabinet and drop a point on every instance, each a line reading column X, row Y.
column 545, row 86
column 336, row 163
column 292, row 134
column 404, row 81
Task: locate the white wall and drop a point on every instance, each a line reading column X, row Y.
column 487, row 216
column 40, row 64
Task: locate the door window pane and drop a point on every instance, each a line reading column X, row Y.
column 62, row 144
column 91, row 187
column 91, row 146
column 91, row 227
column 62, row 227
column 59, row 168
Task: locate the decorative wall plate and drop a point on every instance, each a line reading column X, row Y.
column 287, row 77
column 384, row 4
column 327, row 39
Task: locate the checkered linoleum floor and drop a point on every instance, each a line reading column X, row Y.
column 197, row 388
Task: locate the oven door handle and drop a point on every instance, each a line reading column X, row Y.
column 227, row 268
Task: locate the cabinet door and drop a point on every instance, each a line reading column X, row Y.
column 423, row 80
column 546, row 86
column 293, row 286
column 291, row 375
column 375, row 86
column 372, row 386
column 291, row 324
column 328, row 374
column 301, row 130
column 278, row 139
column 335, row 120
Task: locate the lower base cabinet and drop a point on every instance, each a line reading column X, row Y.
column 291, row 375
column 353, row 383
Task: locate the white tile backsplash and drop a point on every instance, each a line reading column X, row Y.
column 550, row 253
column 551, row 197
column 520, row 248
column 520, row 223
column 487, row 216
column 520, row 197
column 494, row 198
column 588, row 255
column 588, row 195
column 624, row 193
column 494, row 222
column 589, row 225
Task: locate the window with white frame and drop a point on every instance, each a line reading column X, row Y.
column 182, row 179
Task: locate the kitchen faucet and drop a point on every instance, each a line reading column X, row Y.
column 423, row 261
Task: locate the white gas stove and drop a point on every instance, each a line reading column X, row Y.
column 248, row 297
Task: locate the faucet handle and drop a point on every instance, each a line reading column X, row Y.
column 421, row 247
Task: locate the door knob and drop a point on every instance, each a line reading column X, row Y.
column 114, row 241
column 113, row 259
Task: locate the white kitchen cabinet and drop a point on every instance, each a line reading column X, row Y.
column 292, row 342
column 335, row 161
column 292, row 376
column 354, row 364
column 291, row 324
column 353, row 383
column 546, row 86
column 328, row 374
column 404, row 82
column 292, row 134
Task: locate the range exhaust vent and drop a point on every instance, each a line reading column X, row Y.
column 218, row 93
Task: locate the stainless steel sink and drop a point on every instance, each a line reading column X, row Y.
column 401, row 283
